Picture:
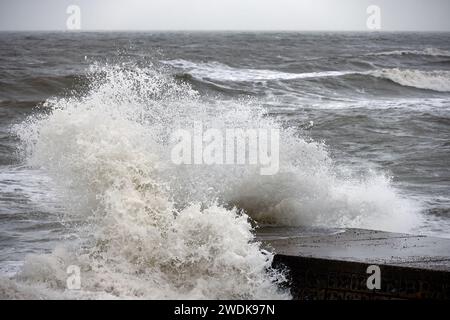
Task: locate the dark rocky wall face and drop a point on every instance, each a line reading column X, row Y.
column 324, row 279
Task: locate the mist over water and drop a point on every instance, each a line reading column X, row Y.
column 98, row 151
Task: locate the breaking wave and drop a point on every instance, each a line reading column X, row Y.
column 425, row 52
column 221, row 72
column 430, row 80
column 151, row 229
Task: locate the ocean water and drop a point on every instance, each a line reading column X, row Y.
column 86, row 177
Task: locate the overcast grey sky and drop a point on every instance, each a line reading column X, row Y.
column 404, row 15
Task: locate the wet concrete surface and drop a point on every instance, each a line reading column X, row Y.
column 358, row 245
column 330, row 264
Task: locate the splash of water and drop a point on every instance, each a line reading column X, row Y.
column 152, row 229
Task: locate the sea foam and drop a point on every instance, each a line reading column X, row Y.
column 152, row 229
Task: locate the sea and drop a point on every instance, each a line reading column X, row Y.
column 93, row 207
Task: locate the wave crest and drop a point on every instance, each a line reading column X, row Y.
column 430, row 80
column 434, row 52
column 221, row 72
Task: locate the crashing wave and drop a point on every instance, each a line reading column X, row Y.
column 152, row 229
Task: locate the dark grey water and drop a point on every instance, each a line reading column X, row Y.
column 379, row 101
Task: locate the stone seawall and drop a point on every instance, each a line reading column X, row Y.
column 333, row 263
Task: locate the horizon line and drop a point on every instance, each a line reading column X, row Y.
column 217, row 30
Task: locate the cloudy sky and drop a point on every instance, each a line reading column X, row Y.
column 402, row 15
